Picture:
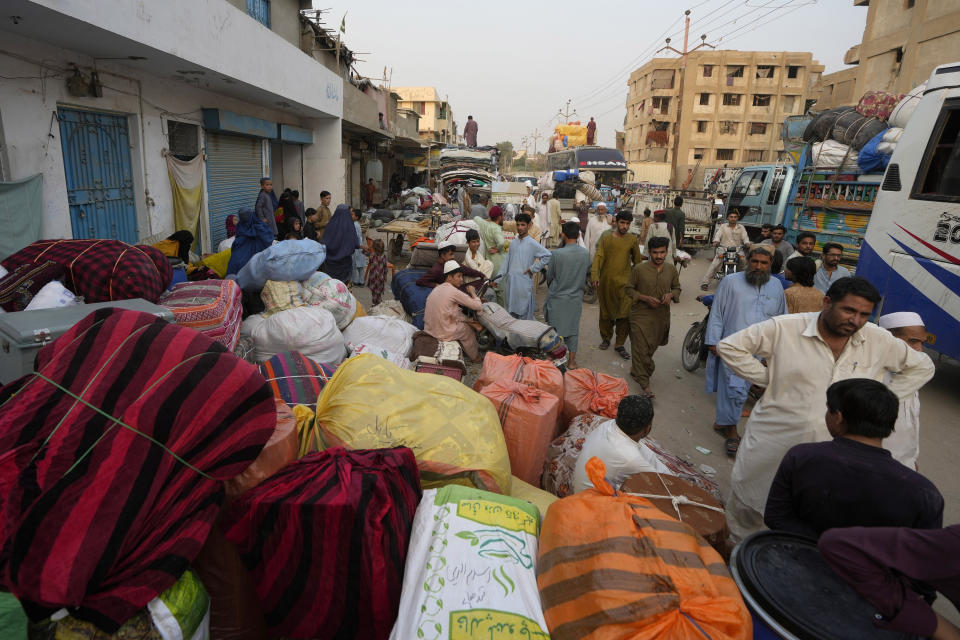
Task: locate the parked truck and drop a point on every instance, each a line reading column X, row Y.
column 698, row 209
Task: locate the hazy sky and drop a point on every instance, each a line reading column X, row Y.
column 513, row 65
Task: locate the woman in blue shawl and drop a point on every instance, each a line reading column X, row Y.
column 253, row 236
column 340, row 239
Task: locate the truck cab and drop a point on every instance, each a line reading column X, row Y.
column 760, row 194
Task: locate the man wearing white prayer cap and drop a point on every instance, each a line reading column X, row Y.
column 904, row 443
column 442, row 317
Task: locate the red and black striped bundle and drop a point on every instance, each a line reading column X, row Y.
column 102, row 270
column 326, row 541
column 114, row 457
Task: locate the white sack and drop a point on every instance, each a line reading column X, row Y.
column 905, row 108
column 391, row 334
column 52, row 295
column 310, row 330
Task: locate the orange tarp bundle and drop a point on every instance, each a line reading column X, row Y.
column 586, row 391
column 537, row 373
column 612, row 565
column 528, row 416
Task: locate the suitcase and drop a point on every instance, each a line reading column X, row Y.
column 24, row 332
column 440, row 369
column 411, row 296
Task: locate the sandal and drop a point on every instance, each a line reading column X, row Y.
column 731, row 445
column 604, row 345
column 721, row 431
column 622, row 353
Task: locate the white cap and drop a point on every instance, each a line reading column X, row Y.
column 450, row 266
column 900, row 319
column 601, row 205
column 446, row 244
column 573, row 218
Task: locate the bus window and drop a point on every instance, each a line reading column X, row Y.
column 939, row 177
column 776, row 187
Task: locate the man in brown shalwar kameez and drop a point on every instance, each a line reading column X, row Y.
column 653, row 285
column 616, row 253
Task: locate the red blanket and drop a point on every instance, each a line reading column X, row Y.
column 113, row 460
column 326, row 541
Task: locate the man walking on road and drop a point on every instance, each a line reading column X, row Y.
column 470, row 132
column 732, row 234
column 830, row 271
column 805, row 353
column 617, row 252
column 566, row 277
column 524, row 258
column 678, row 220
column 555, row 218
column 742, row 299
column 653, row 285
column 596, row 227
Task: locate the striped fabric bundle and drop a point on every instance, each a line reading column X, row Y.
column 295, row 378
column 102, row 270
column 212, row 307
column 614, row 566
column 325, row 540
column 114, row 457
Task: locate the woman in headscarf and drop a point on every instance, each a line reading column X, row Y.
column 340, row 239
column 253, row 236
column 176, row 246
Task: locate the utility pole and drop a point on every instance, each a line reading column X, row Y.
column 536, row 136
column 683, row 73
column 565, row 114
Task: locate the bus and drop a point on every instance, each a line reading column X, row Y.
column 911, row 251
column 607, row 164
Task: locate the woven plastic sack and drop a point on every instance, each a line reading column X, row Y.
column 536, row 373
column 283, row 262
column 586, row 391
column 529, row 417
column 907, row 105
column 390, row 334
column 310, row 330
column 455, row 232
column 470, row 569
column 391, row 309
column 614, row 566
column 832, row 154
column 454, row 432
column 281, row 449
column 855, row 130
column 329, row 293
column 537, row 497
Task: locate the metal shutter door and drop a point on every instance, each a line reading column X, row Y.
column 234, row 164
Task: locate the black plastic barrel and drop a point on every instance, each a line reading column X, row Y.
column 795, row 595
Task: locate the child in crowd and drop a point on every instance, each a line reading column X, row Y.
column 377, row 272
column 359, row 254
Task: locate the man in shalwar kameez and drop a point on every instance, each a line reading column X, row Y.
column 742, row 299
column 653, row 285
column 616, row 254
column 525, row 257
column 566, row 277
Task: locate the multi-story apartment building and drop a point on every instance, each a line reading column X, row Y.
column 902, row 43
column 733, row 105
column 436, row 116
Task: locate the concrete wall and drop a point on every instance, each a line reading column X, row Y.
column 29, row 127
column 358, row 107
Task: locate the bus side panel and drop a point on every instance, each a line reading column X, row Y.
column 901, row 281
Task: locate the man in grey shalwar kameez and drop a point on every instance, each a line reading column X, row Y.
column 566, row 276
column 524, row 258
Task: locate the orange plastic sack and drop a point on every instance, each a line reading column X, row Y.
column 612, row 565
column 281, row 449
column 536, row 373
column 586, row 391
column 528, row 416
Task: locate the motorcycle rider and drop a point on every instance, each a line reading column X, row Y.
column 732, row 234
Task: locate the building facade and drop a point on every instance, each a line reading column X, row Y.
column 436, row 115
column 99, row 94
column 733, row 103
column 903, row 41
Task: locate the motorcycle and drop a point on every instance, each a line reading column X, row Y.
column 731, row 260
column 506, row 334
column 694, row 352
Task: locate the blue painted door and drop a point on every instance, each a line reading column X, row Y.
column 96, row 160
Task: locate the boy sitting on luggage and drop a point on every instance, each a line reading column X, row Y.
column 436, row 276
column 619, row 443
column 851, row 481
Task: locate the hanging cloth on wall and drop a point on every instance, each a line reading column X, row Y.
column 186, row 183
column 21, row 212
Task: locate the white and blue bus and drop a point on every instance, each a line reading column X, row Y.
column 911, row 251
column 607, row 164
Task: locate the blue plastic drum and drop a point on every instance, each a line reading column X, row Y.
column 793, row 594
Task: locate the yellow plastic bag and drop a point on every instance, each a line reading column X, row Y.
column 537, row 497
column 218, row 262
column 453, row 431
